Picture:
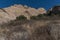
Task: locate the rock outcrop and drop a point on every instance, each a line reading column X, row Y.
column 10, row 13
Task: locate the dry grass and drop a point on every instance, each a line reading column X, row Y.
column 27, row 30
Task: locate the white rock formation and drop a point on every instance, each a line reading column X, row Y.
column 10, row 13
column 41, row 10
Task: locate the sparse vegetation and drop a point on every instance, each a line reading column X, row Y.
column 40, row 15
column 21, row 17
column 33, row 17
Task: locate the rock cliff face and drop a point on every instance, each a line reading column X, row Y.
column 17, row 10
column 10, row 13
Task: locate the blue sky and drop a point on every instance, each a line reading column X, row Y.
column 33, row 3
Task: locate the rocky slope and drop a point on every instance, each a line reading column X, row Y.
column 46, row 28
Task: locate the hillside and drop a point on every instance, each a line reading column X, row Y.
column 26, row 23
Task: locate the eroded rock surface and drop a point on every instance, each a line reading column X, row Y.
column 10, row 13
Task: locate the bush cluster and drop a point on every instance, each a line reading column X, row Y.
column 50, row 13
column 21, row 17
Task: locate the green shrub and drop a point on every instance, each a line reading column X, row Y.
column 57, row 13
column 33, row 17
column 40, row 15
column 50, row 13
column 21, row 17
column 53, row 13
